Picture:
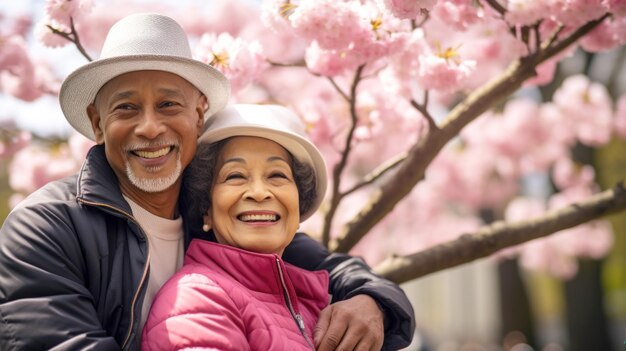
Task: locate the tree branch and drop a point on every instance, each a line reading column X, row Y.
column 377, row 173
column 409, row 173
column 496, row 6
column 73, row 37
column 341, row 165
column 423, row 109
column 499, row 235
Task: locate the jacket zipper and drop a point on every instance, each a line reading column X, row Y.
column 145, row 268
column 296, row 316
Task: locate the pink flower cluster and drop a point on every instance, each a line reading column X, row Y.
column 459, row 14
column 19, row 75
column 558, row 253
column 587, row 110
column 239, row 61
column 59, row 14
column 409, row 9
column 35, row 165
column 12, row 139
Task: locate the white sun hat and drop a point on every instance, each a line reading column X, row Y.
column 144, row 41
column 276, row 123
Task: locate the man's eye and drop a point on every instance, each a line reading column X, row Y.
column 166, row 104
column 126, row 107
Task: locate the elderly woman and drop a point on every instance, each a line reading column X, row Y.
column 256, row 178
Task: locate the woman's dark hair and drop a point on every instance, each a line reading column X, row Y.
column 198, row 178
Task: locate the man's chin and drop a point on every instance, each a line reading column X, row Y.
column 154, row 184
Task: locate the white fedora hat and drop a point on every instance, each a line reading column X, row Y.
column 139, row 42
column 276, row 123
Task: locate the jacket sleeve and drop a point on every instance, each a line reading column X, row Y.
column 44, row 302
column 190, row 312
column 350, row 276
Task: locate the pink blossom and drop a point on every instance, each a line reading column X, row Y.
column 460, row 14
column 20, row 26
column 489, row 42
column 385, row 35
column 476, row 189
column 240, row 62
column 401, row 73
column 526, row 12
column 587, row 106
column 12, row 139
column 446, row 75
column 545, row 73
column 17, row 72
column 577, row 12
column 60, row 11
column 607, row 35
column 593, row 239
column 617, row 7
column 330, row 63
column 398, row 233
column 333, row 24
column 79, row 145
column 619, row 122
column 381, row 114
column 35, row 166
column 47, row 37
column 408, row 9
column 217, row 16
column 518, row 210
column 555, row 119
column 566, row 174
column 275, row 14
column 542, row 255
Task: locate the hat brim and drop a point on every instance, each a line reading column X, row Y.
column 299, row 147
column 79, row 89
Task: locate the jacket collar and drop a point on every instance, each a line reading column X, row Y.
column 98, row 184
column 259, row 272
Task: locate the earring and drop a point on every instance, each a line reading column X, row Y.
column 205, row 228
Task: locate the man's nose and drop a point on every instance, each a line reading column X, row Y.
column 151, row 125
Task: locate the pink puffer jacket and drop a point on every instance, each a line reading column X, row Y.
column 226, row 298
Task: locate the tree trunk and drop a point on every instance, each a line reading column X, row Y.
column 517, row 324
column 584, row 300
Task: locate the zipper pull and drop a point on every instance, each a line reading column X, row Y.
column 300, row 321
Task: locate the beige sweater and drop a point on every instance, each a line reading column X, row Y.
column 165, row 237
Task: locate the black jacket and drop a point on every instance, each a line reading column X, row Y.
column 73, row 269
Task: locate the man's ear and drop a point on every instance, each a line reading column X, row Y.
column 203, row 105
column 94, row 118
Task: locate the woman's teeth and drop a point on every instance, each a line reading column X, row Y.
column 259, row 218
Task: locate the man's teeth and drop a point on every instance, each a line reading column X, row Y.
column 153, row 154
column 259, row 218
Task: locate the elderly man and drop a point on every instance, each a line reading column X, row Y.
column 81, row 258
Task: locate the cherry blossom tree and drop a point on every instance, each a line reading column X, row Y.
column 426, row 111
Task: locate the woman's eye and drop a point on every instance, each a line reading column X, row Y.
column 279, row 175
column 232, row 176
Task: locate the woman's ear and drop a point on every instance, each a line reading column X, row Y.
column 207, row 223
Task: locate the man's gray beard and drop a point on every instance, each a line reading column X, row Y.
column 154, row 185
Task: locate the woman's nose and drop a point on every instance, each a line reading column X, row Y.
column 258, row 191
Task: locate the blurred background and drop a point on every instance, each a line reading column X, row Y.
column 496, row 303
